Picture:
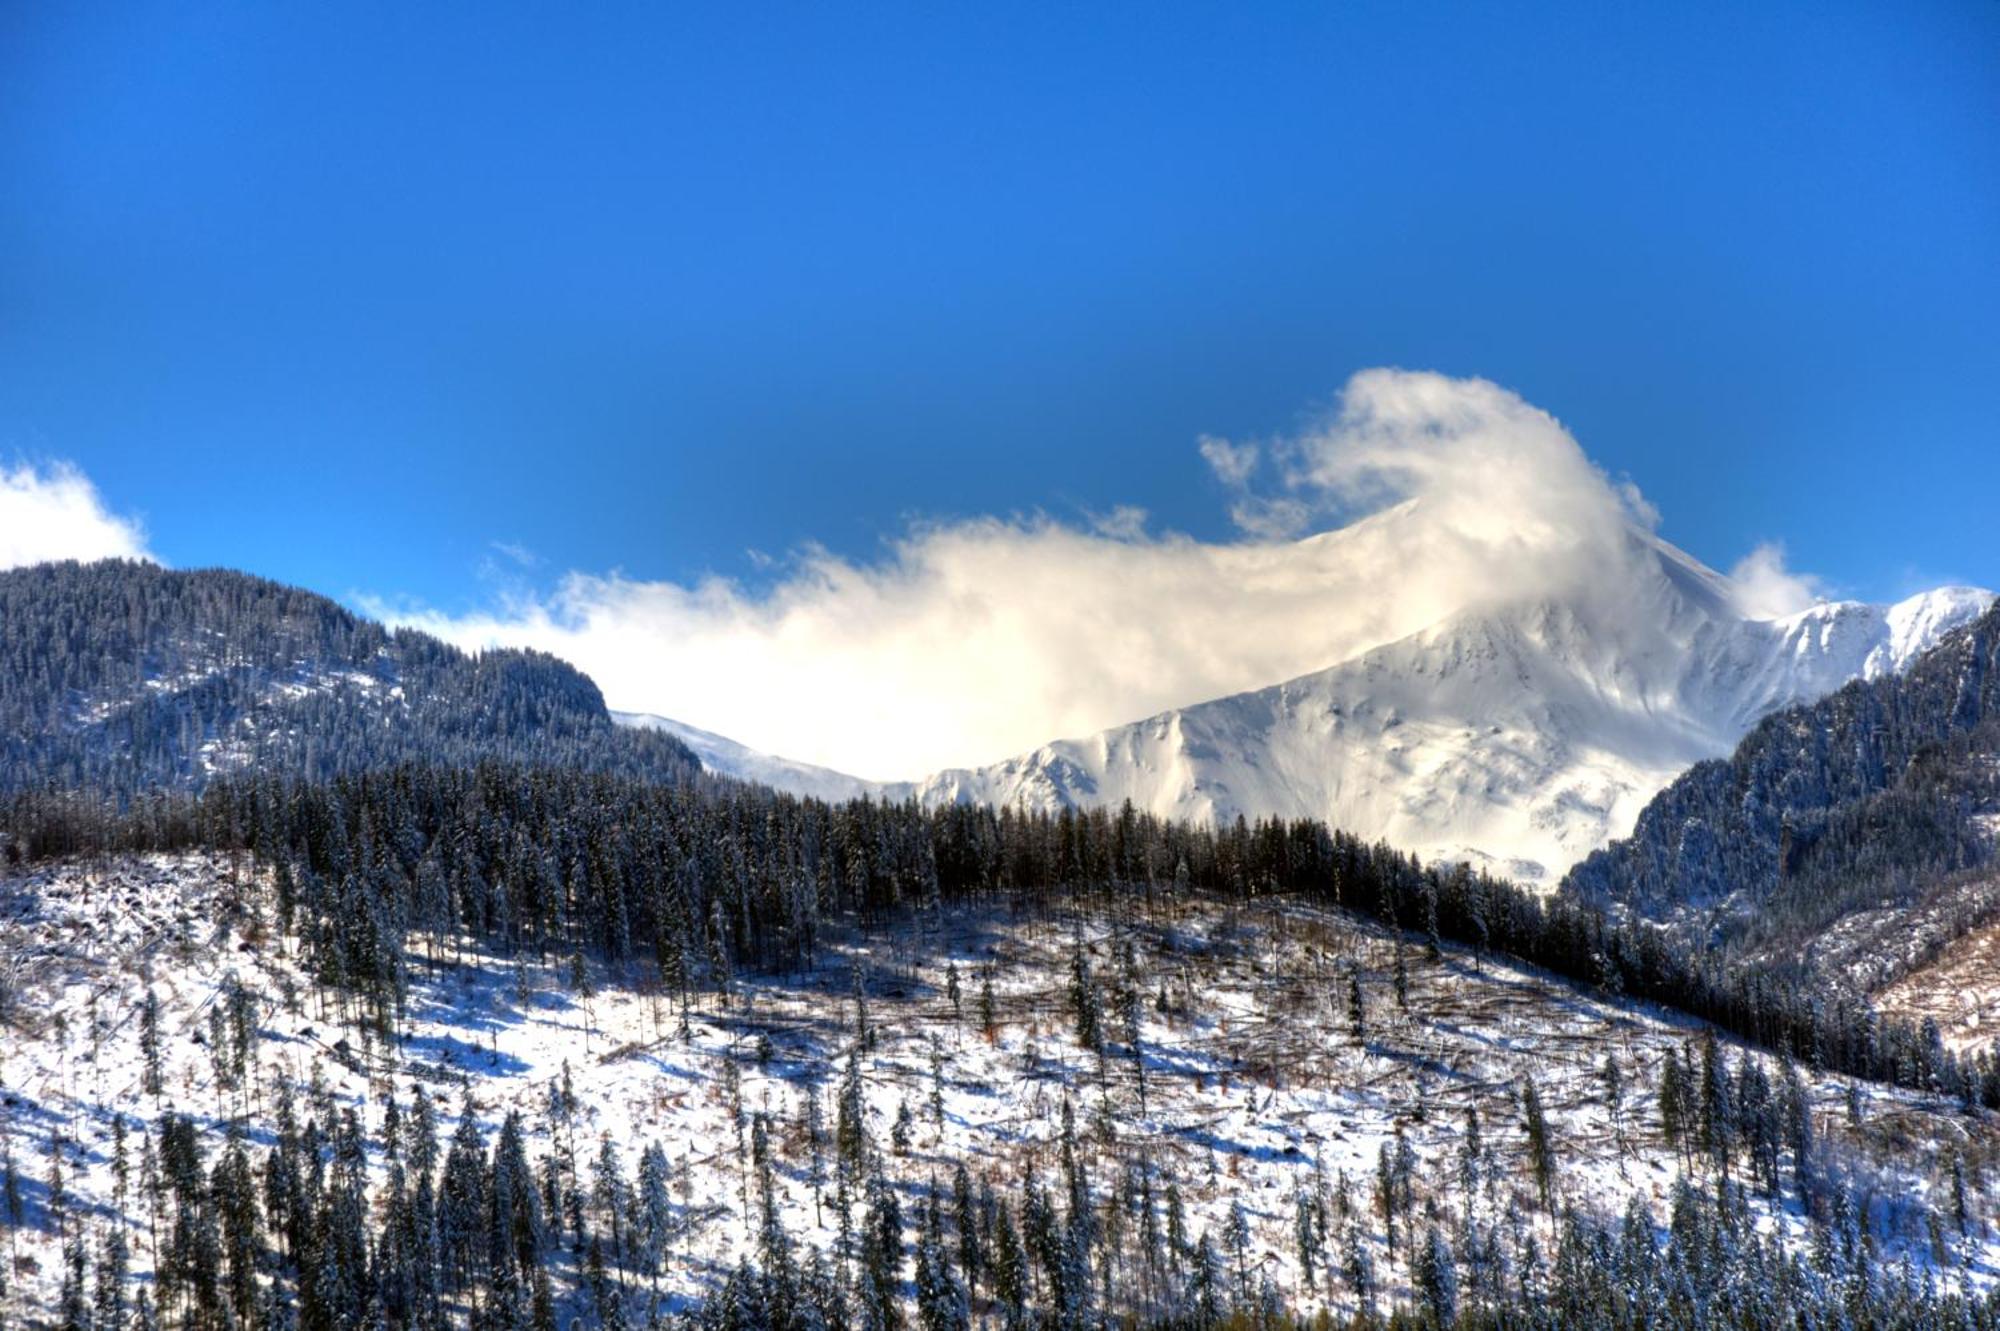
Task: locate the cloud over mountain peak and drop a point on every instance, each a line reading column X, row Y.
column 1417, row 497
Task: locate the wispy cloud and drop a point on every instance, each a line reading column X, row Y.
column 1766, row 589
column 1233, row 464
column 52, row 511
column 970, row 641
column 516, row 553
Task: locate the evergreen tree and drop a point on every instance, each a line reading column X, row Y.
column 1308, row 1233
column 1356, row 1015
column 1541, row 1150
column 1470, row 1159
column 1083, row 997
column 108, row 1311
column 1436, row 1278
column 151, row 1075
column 1204, row 1300
column 851, row 1117
column 654, row 1214
column 941, row 1299
column 967, row 1211
column 881, row 1260
column 1717, row 1122
column 1010, row 1272
column 1356, row 1268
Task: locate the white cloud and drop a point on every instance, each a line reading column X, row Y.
column 54, row 512
column 1766, row 589
column 1232, row 463
column 1124, row 523
column 970, row 641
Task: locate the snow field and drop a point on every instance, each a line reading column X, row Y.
column 1254, row 1087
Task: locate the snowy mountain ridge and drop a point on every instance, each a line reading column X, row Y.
column 1519, row 737
column 720, row 754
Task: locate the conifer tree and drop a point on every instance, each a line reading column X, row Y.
column 966, row 1213
column 151, row 1079
column 1083, row 998
column 1356, row 1014
column 1541, row 1150
column 1204, row 1295
column 653, row 1218
column 941, row 1300
column 1308, row 1235
column 989, row 1021
column 851, row 1117
column 1471, row 1150
column 108, row 1311
column 1436, row 1277
column 881, row 1259
column 1356, row 1267
column 937, row 1086
column 1010, row 1271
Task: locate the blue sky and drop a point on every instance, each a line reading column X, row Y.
column 343, row 293
column 346, row 294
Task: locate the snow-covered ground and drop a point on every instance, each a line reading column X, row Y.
column 1255, row 1088
column 1959, row 989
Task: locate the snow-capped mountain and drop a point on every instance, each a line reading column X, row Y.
column 1522, row 736
column 725, row 756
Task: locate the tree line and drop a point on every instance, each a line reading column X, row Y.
column 380, row 870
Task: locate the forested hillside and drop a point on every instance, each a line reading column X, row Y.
column 690, row 879
column 1057, row 1109
column 1858, row 831
column 123, row 677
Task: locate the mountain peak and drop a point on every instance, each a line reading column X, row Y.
column 1520, row 735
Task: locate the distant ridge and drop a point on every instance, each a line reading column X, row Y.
column 725, row 757
column 1856, row 834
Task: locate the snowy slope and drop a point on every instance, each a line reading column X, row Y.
column 724, row 756
column 1255, row 1091
column 1521, row 737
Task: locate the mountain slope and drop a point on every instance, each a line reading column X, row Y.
column 1241, row 1090
column 121, row 676
column 1524, row 737
column 1521, row 737
column 725, row 757
column 1856, row 832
